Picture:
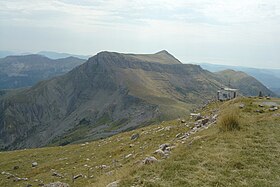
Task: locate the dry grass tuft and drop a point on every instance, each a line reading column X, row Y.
column 229, row 120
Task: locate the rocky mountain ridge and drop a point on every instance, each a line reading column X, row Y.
column 110, row 93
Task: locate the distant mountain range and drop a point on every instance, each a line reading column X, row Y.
column 55, row 55
column 49, row 54
column 4, row 54
column 27, row 70
column 269, row 77
column 110, row 93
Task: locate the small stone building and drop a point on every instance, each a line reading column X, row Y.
column 227, row 94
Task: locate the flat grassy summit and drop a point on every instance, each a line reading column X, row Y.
column 163, row 57
column 183, row 152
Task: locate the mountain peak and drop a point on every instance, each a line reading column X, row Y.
column 163, row 52
column 167, row 55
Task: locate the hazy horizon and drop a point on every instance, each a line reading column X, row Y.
column 238, row 33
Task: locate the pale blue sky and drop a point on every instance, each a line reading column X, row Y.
column 232, row 32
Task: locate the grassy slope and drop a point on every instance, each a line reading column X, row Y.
column 249, row 157
column 241, row 80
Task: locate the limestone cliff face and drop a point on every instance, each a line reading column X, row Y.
column 110, row 93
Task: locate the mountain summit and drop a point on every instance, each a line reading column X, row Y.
column 110, row 93
column 161, row 57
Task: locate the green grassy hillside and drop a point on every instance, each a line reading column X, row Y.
column 197, row 156
column 244, row 82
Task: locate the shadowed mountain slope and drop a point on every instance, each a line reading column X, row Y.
column 26, row 70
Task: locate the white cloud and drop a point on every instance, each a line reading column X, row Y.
column 191, row 29
column 131, row 11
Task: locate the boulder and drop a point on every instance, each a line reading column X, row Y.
column 215, row 117
column 196, row 116
column 198, row 123
column 135, row 136
column 150, row 160
column 113, row 184
column 241, row 105
column 204, row 121
column 168, row 128
column 57, row 184
column 273, row 108
column 34, row 164
column 103, row 166
column 131, row 145
column 55, row 174
column 16, row 179
column 160, row 153
column 127, row 156
column 77, row 176
column 259, row 111
column 164, row 146
column 178, row 135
